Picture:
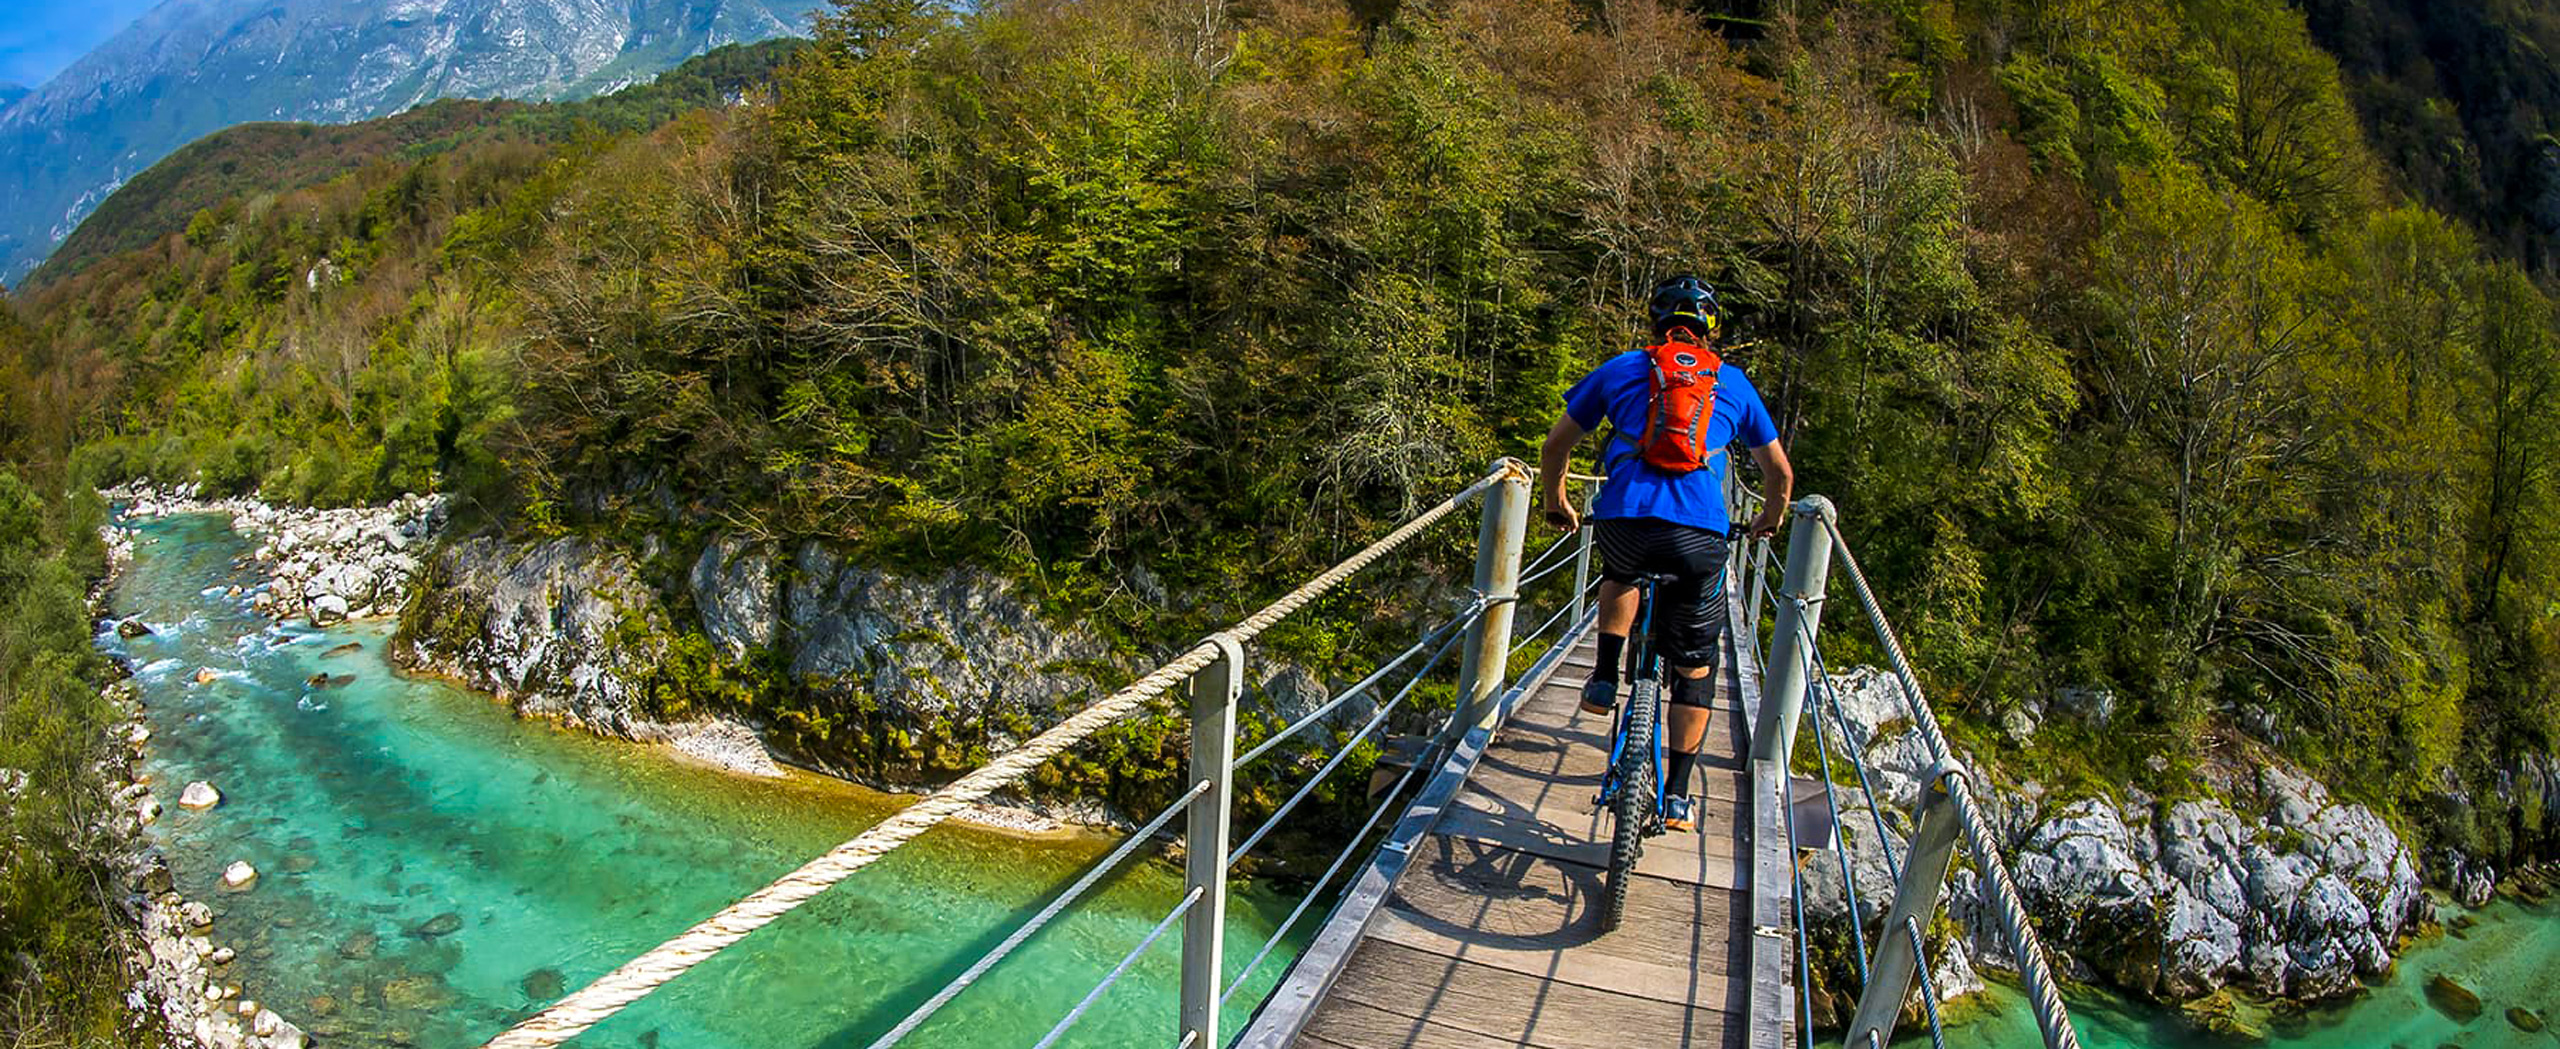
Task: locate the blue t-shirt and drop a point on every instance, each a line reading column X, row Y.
column 1618, row 392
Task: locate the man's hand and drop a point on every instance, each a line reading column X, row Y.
column 1560, row 514
column 1765, row 523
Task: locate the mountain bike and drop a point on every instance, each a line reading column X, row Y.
column 1635, row 758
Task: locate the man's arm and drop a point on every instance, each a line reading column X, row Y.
column 1777, row 487
column 1554, row 458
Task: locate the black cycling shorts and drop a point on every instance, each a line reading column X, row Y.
column 1688, row 616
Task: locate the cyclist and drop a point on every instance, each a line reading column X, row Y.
column 1654, row 520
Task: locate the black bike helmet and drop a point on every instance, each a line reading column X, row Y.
column 1685, row 302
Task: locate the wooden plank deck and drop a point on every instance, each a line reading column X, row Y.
column 1490, row 935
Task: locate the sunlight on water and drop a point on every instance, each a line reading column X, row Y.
column 432, row 868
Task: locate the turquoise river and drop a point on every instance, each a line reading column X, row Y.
column 433, row 868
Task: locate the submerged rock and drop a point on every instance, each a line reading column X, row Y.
column 359, row 947
column 351, row 646
column 445, row 924
column 420, row 992
column 543, row 985
column 2525, row 1020
column 2453, row 999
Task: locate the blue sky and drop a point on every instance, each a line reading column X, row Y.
column 39, row 37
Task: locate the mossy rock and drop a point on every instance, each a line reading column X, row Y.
column 2224, row 1015
column 2453, row 999
column 2525, row 1020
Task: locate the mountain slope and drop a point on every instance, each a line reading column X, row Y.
column 250, row 159
column 185, row 70
column 2463, row 100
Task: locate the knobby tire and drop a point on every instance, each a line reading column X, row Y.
column 1632, row 807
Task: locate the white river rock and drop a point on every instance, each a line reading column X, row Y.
column 199, row 796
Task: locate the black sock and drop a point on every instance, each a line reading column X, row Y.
column 1610, row 646
column 1679, row 781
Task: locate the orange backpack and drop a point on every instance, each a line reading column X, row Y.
column 1684, row 400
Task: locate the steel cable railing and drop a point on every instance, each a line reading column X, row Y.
column 2044, row 994
column 1561, row 550
column 1120, row 970
column 1800, row 603
column 1315, row 892
column 969, row 977
column 1562, row 611
column 1308, row 788
column 1825, row 697
column 1463, row 620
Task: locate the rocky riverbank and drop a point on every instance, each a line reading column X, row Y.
column 568, row 630
column 912, row 672
column 2263, row 880
column 326, row 565
column 184, row 974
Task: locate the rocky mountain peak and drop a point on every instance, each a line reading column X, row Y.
column 186, row 69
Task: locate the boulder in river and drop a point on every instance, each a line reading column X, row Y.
column 420, row 993
column 2525, row 1020
column 2453, row 999
column 132, row 628
column 239, row 876
column 199, row 796
column 445, row 924
column 543, row 985
column 205, row 675
column 327, row 609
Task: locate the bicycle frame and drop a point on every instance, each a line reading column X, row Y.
column 1648, row 664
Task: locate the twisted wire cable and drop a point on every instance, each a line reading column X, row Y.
column 2044, row 994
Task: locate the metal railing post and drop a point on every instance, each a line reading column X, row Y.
column 1499, row 538
column 1790, row 667
column 1581, row 576
column 1214, row 691
column 1915, row 901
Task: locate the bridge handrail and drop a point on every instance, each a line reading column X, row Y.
column 1948, row 810
column 2053, row 1019
column 1488, row 635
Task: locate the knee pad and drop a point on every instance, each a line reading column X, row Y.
column 1694, row 691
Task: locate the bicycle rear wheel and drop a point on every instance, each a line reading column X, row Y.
column 1632, row 807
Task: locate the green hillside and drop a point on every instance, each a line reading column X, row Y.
column 2132, row 356
column 254, row 159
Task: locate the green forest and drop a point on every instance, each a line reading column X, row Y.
column 2142, row 345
